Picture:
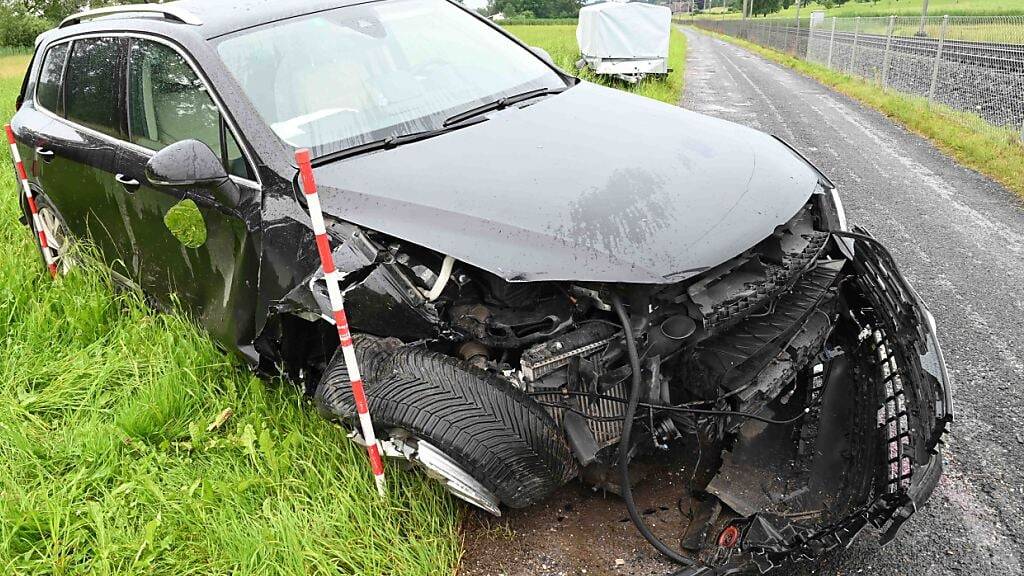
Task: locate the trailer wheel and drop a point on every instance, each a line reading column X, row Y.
column 492, row 431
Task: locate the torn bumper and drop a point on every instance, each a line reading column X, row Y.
column 886, row 404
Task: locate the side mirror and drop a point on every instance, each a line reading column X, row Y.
column 186, row 163
column 543, row 54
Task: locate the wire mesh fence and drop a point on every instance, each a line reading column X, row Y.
column 969, row 63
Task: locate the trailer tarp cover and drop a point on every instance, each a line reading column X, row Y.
column 624, row 30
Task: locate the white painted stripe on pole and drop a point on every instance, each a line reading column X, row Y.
column 367, row 424
column 334, row 291
column 352, row 363
column 315, row 214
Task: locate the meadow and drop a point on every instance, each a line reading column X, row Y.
column 560, row 42
column 129, row 444
column 910, row 8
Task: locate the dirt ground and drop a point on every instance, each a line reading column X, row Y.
column 578, row 531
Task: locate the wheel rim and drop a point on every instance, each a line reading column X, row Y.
column 56, row 238
column 442, row 468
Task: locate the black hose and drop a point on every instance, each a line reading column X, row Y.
column 627, row 429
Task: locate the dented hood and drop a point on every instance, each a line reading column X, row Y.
column 589, row 185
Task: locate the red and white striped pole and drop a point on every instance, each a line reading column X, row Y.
column 323, row 246
column 36, row 221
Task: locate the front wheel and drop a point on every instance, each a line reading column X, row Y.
column 474, row 431
column 58, row 238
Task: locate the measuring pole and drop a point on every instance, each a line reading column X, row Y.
column 323, row 247
column 19, row 166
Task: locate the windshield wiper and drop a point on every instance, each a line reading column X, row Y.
column 388, row 143
column 501, row 103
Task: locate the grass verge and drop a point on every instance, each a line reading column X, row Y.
column 996, row 152
column 560, row 42
column 107, row 466
column 906, row 8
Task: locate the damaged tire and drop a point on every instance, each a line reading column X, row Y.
column 494, row 432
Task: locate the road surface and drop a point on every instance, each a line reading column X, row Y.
column 959, row 237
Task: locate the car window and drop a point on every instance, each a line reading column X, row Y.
column 342, row 77
column 168, row 102
column 90, row 85
column 48, row 86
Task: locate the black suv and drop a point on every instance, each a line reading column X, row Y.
column 547, row 278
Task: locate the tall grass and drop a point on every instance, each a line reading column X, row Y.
column 560, row 42
column 107, row 467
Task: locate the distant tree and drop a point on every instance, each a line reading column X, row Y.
column 535, row 8
column 56, row 10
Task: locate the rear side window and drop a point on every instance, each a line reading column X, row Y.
column 168, row 102
column 90, row 84
column 48, row 86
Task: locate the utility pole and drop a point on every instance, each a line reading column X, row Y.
column 924, row 20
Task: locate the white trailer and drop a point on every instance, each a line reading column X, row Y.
column 624, row 39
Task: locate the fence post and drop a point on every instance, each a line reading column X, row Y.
column 856, row 37
column 888, row 49
column 785, row 41
column 831, row 43
column 796, row 45
column 938, row 59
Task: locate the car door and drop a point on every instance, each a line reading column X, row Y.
column 193, row 246
column 74, row 127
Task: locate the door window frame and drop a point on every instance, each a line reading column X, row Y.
column 123, row 68
column 60, row 80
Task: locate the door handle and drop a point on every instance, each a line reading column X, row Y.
column 45, row 153
column 130, row 184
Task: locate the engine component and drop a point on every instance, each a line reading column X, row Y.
column 730, row 361
column 543, row 359
column 474, row 353
column 508, row 316
column 736, row 288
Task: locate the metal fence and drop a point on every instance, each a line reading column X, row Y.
column 969, row 63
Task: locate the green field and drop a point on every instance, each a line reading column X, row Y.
column 560, row 42
column 911, row 8
column 106, row 463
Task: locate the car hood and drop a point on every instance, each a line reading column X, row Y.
column 592, row 184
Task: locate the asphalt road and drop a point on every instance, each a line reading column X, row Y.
column 959, row 237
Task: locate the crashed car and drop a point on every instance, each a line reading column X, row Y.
column 547, row 279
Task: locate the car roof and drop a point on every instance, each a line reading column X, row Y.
column 218, row 17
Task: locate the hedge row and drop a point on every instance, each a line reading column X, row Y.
column 20, row 30
column 536, row 21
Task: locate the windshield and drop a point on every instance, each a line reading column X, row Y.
column 347, row 76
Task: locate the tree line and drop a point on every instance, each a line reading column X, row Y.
column 22, row 20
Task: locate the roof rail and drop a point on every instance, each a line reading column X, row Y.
column 166, row 11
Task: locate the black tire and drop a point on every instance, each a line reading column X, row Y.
column 492, row 430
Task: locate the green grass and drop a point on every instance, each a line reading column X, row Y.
column 911, row 8
column 560, row 42
column 106, row 466
column 995, row 152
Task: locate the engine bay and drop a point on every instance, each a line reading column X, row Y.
column 789, row 379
